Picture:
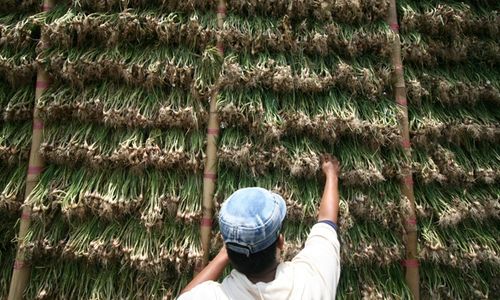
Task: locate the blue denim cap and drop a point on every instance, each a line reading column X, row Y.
column 250, row 219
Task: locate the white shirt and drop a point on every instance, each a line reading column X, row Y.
column 312, row 274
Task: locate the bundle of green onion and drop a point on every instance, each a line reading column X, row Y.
column 149, row 67
column 79, row 29
column 116, row 105
column 278, row 35
column 464, row 84
column 152, row 196
column 103, row 148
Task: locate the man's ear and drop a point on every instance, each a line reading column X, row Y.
column 281, row 242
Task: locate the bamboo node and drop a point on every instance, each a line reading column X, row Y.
column 220, row 47
column 408, row 180
column 33, row 170
column 46, row 7
column 213, row 131
column 26, row 215
column 37, row 124
column 19, row 264
column 206, row 222
column 394, row 27
column 402, row 101
column 410, row 263
column 41, row 85
column 210, row 176
column 411, row 221
column 221, row 10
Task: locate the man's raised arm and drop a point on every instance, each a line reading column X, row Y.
column 321, row 253
column 329, row 206
column 211, row 272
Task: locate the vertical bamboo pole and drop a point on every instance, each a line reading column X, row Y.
column 410, row 223
column 21, row 272
column 210, row 172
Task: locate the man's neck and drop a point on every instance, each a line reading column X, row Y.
column 265, row 276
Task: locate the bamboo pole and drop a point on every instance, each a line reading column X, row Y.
column 410, row 223
column 210, row 171
column 21, row 272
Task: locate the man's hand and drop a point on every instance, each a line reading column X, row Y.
column 222, row 255
column 330, row 166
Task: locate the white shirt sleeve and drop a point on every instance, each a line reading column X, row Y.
column 206, row 290
column 321, row 253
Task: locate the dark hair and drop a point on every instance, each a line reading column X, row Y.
column 254, row 263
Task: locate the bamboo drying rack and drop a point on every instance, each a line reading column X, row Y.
column 21, row 270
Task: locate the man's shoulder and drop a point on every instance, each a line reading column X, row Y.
column 206, row 290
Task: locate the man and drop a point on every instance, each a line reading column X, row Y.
column 250, row 221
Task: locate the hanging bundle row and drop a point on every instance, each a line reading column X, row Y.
column 116, row 106
column 457, row 205
column 152, row 197
column 449, row 21
column 262, row 35
column 265, row 72
column 109, row 30
column 462, row 247
column 153, row 67
column 469, row 86
column 431, row 53
column 173, row 248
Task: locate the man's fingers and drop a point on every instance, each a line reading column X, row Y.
column 327, row 157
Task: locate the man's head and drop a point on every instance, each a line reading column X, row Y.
column 250, row 221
